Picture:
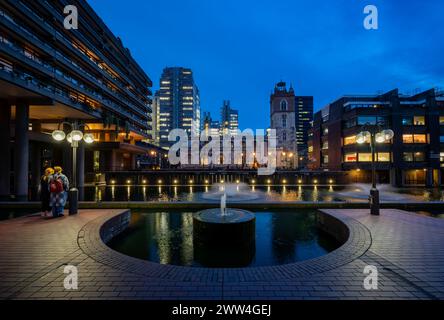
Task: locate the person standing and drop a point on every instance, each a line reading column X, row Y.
column 44, row 191
column 58, row 186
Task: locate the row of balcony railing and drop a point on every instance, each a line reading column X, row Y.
column 51, row 51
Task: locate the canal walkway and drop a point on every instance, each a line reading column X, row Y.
column 406, row 249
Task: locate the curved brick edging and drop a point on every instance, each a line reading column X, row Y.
column 93, row 235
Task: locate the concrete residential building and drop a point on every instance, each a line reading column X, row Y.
column 49, row 74
column 415, row 156
column 179, row 103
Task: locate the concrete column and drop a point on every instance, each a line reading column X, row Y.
column 429, row 178
column 5, row 154
column 67, row 160
column 21, row 151
column 81, row 171
column 36, row 169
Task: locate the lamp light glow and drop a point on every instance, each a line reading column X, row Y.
column 88, row 138
column 77, row 135
column 58, row 135
column 360, row 138
column 380, row 137
column 388, row 134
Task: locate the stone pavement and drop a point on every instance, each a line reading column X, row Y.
column 408, row 251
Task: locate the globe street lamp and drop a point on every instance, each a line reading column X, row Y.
column 374, row 135
column 74, row 138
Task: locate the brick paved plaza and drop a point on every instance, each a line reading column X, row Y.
column 407, row 250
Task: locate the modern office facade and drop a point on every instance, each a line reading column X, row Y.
column 179, row 103
column 415, row 156
column 49, row 74
column 303, row 122
column 155, row 123
column 229, row 119
column 211, row 127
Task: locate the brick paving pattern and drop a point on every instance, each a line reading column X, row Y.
column 407, row 250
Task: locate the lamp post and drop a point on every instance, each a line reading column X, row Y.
column 74, row 138
column 374, row 135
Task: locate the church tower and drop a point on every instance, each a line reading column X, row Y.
column 283, row 120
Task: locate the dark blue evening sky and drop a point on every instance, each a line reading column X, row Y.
column 238, row 49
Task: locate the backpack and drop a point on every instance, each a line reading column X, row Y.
column 56, row 185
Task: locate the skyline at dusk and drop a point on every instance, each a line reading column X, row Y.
column 244, row 49
column 124, row 176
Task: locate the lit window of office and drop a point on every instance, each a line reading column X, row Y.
column 350, row 157
column 413, row 120
column 349, row 140
column 414, row 138
column 384, row 157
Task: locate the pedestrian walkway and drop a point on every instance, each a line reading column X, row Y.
column 407, row 250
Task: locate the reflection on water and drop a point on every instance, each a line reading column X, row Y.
column 281, row 238
column 264, row 193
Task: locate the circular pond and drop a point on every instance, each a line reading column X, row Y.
column 281, row 237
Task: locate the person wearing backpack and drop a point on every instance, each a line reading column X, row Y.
column 58, row 187
column 44, row 191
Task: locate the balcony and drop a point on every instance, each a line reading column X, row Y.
column 14, row 26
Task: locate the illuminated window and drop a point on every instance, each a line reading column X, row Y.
column 325, row 159
column 420, row 138
column 419, row 121
column 441, row 121
column 365, row 157
column 349, row 140
column 413, row 121
column 325, row 145
column 310, row 149
column 441, row 157
column 407, row 138
column 350, row 157
column 383, row 157
column 414, row 138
